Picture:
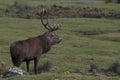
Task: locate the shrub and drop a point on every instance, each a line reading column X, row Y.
column 94, row 68
column 115, row 67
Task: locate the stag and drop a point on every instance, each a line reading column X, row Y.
column 33, row 48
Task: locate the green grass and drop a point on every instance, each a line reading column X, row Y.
column 76, row 50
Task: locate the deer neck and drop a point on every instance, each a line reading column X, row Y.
column 46, row 46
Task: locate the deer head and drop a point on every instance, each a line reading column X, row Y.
column 50, row 35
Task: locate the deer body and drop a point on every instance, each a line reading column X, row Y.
column 33, row 48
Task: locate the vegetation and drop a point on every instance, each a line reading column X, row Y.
column 85, row 41
column 27, row 11
column 76, row 51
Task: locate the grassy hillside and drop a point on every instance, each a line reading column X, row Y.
column 85, row 41
column 45, row 2
column 76, row 51
column 84, row 3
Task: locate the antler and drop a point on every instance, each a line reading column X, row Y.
column 47, row 25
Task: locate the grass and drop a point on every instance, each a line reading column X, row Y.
column 76, row 50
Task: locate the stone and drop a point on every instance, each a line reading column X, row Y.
column 14, row 72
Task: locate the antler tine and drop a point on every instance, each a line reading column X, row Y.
column 46, row 25
column 56, row 28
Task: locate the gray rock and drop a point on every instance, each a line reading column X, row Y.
column 14, row 72
column 1, row 75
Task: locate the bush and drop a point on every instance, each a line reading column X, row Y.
column 115, row 67
column 94, row 68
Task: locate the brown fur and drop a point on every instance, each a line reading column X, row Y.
column 32, row 49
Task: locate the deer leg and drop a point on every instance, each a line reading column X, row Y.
column 27, row 65
column 17, row 63
column 36, row 65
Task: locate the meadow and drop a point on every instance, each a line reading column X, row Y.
column 85, row 41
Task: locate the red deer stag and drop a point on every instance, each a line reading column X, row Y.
column 33, row 48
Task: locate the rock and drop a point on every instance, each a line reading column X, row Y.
column 1, row 76
column 14, row 72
